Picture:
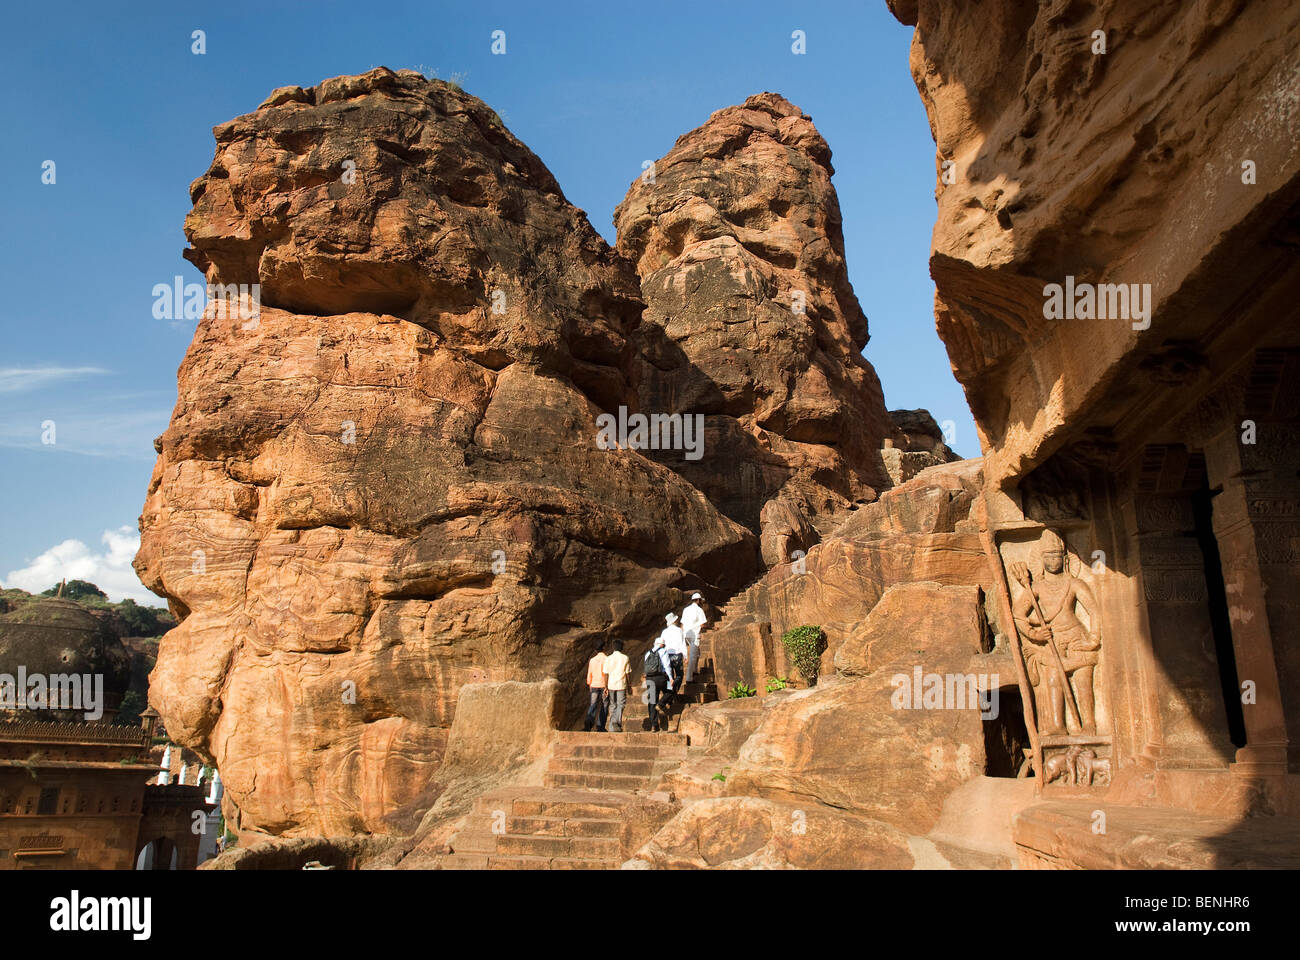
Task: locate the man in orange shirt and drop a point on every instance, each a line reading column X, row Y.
column 596, row 682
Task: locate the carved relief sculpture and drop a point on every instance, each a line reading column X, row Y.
column 1060, row 653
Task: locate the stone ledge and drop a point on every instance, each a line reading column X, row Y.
column 1059, row 835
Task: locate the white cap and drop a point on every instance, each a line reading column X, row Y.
column 696, row 596
column 671, row 617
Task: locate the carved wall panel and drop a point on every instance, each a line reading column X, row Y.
column 1061, row 641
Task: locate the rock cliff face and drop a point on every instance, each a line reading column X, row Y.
column 905, row 582
column 1114, row 143
column 920, row 531
column 390, row 482
column 751, row 321
column 865, row 769
column 1114, row 254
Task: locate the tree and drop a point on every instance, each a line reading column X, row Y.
column 129, row 710
column 77, row 590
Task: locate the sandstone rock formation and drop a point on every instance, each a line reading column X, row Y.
column 920, row 531
column 903, row 584
column 387, row 484
column 1123, row 166
column 917, row 443
column 739, row 833
column 751, row 321
column 907, row 751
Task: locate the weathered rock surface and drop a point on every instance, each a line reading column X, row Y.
column 740, row 833
column 1119, row 167
column 1116, row 273
column 843, row 744
column 383, row 489
column 906, row 623
column 917, row 444
column 898, row 590
column 381, row 509
column 751, row 321
column 910, row 534
column 500, row 736
column 293, row 853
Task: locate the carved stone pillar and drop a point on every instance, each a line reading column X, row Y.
column 1257, row 525
column 1191, row 729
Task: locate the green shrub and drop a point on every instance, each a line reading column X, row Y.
column 741, row 690
column 777, row 683
column 720, row 776
column 128, row 714
column 805, row 646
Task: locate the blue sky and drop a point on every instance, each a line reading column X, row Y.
column 118, row 101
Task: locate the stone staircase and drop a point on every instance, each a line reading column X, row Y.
column 597, row 804
column 541, row 829
column 701, row 689
column 593, row 811
column 614, row 761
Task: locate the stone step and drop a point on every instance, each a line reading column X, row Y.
column 575, row 848
column 475, row 839
column 479, row 831
column 621, row 751
column 700, row 686
column 563, row 827
column 629, row 738
column 558, row 804
column 625, row 768
column 598, row 781
column 465, row 861
column 549, row 863
column 696, row 697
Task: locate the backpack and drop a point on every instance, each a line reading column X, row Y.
column 652, row 664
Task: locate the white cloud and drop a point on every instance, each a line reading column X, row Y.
column 110, row 570
column 14, row 379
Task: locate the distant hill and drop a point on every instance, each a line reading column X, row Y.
column 138, row 627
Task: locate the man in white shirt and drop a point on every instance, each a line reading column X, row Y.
column 616, row 670
column 693, row 621
column 675, row 643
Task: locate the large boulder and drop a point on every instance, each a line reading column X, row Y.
column 752, row 322
column 847, row 745
column 917, row 694
column 920, row 531
column 389, row 484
